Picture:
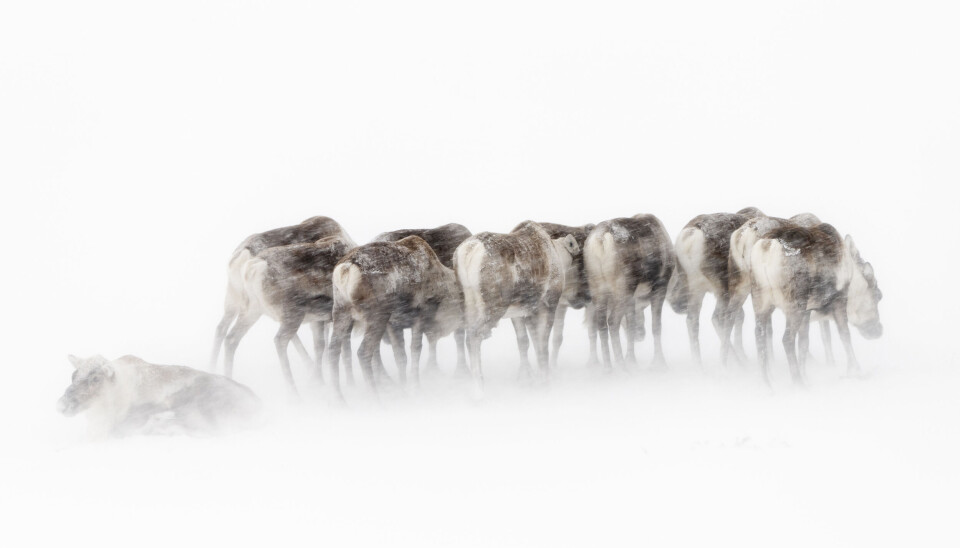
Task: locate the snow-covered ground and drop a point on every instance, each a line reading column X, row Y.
column 139, row 145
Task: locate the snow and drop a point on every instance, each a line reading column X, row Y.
column 139, row 146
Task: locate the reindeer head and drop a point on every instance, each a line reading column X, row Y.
column 863, row 295
column 89, row 378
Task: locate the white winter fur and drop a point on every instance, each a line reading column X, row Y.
column 468, row 260
column 689, row 249
column 770, row 277
column 133, row 383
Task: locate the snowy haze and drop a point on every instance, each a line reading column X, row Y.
column 139, row 144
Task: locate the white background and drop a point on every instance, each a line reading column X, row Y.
column 140, row 143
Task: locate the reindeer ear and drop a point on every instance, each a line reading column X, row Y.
column 868, row 271
column 74, row 361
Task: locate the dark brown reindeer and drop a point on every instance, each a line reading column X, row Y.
column 236, row 302
column 515, row 275
column 291, row 284
column 444, row 241
column 629, row 262
column 387, row 287
column 703, row 249
column 576, row 293
column 800, row 270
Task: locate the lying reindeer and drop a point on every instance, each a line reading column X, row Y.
column 130, row 396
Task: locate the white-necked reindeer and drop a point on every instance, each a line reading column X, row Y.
column 800, row 270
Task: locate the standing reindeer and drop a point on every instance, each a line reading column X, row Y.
column 444, row 241
column 799, row 270
column 387, row 287
column 239, row 312
column 576, row 293
column 515, row 275
column 703, row 249
column 741, row 247
column 628, row 260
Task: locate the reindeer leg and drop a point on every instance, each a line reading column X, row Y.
column 656, row 316
column 724, row 326
column 641, row 321
column 319, row 345
column 287, row 331
column 630, row 311
column 557, row 333
column 761, row 336
column 590, row 318
column 738, row 335
column 794, row 319
column 474, row 337
column 239, row 329
column 693, row 326
column 827, row 343
column 370, row 347
column 603, row 330
column 840, row 317
column 342, row 325
column 416, row 347
column 460, row 337
column 399, row 352
column 348, row 355
column 298, row 344
column 803, row 343
column 616, row 317
column 523, row 344
column 229, row 314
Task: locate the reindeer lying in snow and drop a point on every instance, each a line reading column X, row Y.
column 387, row 287
column 130, row 396
column 799, row 270
column 628, row 261
column 515, row 275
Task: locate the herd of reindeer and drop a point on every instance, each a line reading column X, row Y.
column 445, row 280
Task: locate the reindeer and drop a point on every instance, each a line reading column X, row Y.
column 703, row 249
column 799, row 270
column 237, row 303
column 387, row 287
column 291, row 284
column 444, row 241
column 130, row 396
column 629, row 261
column 515, row 275
column 576, row 293
column 741, row 246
